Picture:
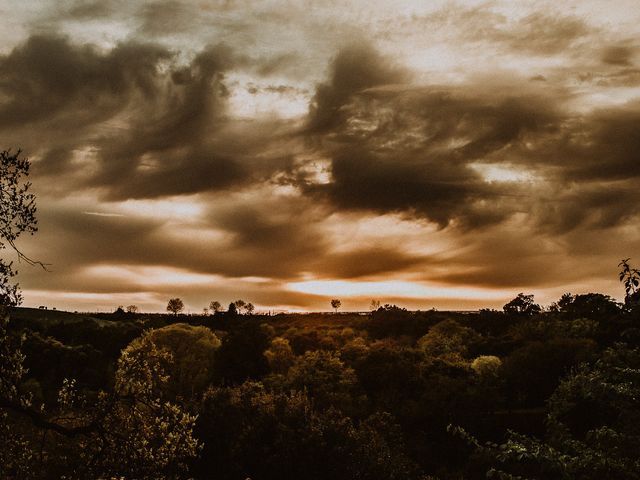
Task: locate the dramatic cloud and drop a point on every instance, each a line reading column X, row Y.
column 430, row 153
column 354, row 69
column 412, row 150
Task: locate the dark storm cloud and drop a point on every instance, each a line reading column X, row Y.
column 610, row 146
column 171, row 147
column 353, row 70
column 591, row 205
column 255, row 237
column 410, row 150
column 47, row 76
column 270, row 224
column 621, row 55
column 599, row 146
column 416, row 151
column 366, row 262
column 154, row 127
column 56, row 93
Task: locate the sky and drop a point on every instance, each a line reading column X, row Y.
column 426, row 154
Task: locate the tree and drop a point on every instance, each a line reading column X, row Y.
column 486, row 365
column 630, row 277
column 251, row 432
column 325, row 377
column 375, row 305
column 522, row 305
column 249, row 308
column 17, row 216
column 336, row 304
column 133, row 309
column 192, row 350
column 175, row 306
column 240, row 304
column 280, row 355
column 592, row 427
column 449, row 339
column 215, row 306
column 232, row 311
column 595, row 306
column 125, row 433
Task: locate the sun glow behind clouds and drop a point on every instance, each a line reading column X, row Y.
column 178, row 208
column 492, row 172
column 390, row 288
column 149, row 277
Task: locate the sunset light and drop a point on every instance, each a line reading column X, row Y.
column 430, row 153
column 391, row 288
column 319, row 240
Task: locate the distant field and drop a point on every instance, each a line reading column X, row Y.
column 47, row 317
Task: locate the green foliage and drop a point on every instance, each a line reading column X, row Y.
column 593, row 427
column 487, row 366
column 192, row 351
column 325, row 377
column 279, row 355
column 448, row 339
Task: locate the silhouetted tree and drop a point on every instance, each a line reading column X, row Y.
column 17, row 216
column 522, row 305
column 127, row 432
column 630, row 277
column 336, row 304
column 232, row 311
column 240, row 304
column 589, row 305
column 215, row 306
column 175, row 306
column 133, row 309
column 249, row 308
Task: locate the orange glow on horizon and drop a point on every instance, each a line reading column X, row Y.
column 392, row 288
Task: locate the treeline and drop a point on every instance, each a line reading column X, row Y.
column 394, row 395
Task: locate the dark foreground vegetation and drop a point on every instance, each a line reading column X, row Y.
column 518, row 393
column 392, row 395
